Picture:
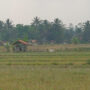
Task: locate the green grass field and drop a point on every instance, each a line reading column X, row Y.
column 62, row 70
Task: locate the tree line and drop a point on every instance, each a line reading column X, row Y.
column 45, row 31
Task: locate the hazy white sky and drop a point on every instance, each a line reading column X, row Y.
column 23, row 11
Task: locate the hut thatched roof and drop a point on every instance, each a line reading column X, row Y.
column 20, row 41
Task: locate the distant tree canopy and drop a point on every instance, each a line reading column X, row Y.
column 45, row 31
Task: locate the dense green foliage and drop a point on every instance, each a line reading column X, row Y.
column 45, row 32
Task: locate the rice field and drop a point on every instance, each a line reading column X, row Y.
column 61, row 70
column 44, row 78
column 45, row 58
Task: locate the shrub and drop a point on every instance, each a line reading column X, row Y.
column 75, row 40
column 7, row 46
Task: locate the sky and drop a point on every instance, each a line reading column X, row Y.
column 23, row 11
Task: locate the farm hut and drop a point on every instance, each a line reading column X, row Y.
column 20, row 46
